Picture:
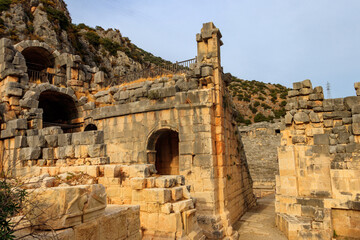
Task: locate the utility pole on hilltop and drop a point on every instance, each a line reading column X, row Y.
column 328, row 92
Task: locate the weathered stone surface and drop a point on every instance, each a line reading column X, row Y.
column 30, row 153
column 63, row 207
column 301, row 117
column 17, row 124
column 321, row 139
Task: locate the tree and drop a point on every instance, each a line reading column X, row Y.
column 11, row 199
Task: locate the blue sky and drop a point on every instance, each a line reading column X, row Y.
column 276, row 41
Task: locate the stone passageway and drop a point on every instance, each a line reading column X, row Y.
column 259, row 222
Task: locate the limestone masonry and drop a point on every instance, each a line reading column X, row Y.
column 261, row 141
column 318, row 186
column 152, row 158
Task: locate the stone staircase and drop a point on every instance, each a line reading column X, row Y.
column 167, row 210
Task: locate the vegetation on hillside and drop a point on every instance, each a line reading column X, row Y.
column 257, row 101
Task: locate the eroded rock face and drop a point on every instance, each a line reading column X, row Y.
column 43, row 28
column 62, row 207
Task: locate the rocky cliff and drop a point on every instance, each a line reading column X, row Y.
column 49, row 21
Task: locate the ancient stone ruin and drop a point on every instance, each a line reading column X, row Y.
column 157, row 157
column 318, row 186
column 261, row 141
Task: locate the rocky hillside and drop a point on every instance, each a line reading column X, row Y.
column 49, row 21
column 257, row 101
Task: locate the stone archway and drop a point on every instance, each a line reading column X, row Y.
column 59, row 109
column 40, row 60
column 163, row 150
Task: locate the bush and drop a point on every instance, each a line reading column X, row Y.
column 283, row 95
column 110, row 46
column 11, row 199
column 256, row 103
column 260, row 118
column 55, row 15
column 283, row 103
column 93, row 38
column 4, row 5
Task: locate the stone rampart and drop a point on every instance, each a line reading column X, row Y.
column 318, row 186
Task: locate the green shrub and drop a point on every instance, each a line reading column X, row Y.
column 11, row 199
column 260, row 118
column 283, row 95
column 110, row 46
column 256, row 104
column 283, row 103
column 4, row 5
column 93, row 38
column 55, row 15
column 279, row 113
column 265, row 106
column 260, row 97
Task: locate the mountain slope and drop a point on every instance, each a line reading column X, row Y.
column 49, row 21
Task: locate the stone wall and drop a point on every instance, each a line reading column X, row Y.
column 261, row 141
column 130, row 119
column 318, row 186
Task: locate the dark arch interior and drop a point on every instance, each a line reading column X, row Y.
column 58, row 109
column 166, row 146
column 37, row 58
column 90, row 127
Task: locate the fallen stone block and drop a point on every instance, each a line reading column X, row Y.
column 63, row 207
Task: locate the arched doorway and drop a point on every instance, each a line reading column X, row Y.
column 39, row 61
column 90, row 127
column 163, row 145
column 58, row 110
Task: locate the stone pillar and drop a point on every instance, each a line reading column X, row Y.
column 224, row 204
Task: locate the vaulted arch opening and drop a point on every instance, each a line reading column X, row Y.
column 39, row 61
column 163, row 149
column 90, row 127
column 58, row 110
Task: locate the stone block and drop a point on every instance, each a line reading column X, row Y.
column 98, row 160
column 177, row 193
column 63, row 207
column 306, row 83
column 159, row 195
column 13, row 92
column 165, row 181
column 99, row 77
column 64, row 139
column 183, row 205
column 206, row 71
column 51, row 140
column 36, row 141
column 93, row 171
column 30, row 153
column 138, row 183
column 20, row 142
column 48, row 182
column 301, row 117
column 48, row 153
column 356, row 128
column 297, row 85
column 321, row 139
column 298, row 139
column 97, row 150
column 314, row 117
column 112, row 171
column 288, row 118
column 88, row 137
column 305, row 91
column 293, row 93
column 51, row 131
column 81, row 151
column 20, row 124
